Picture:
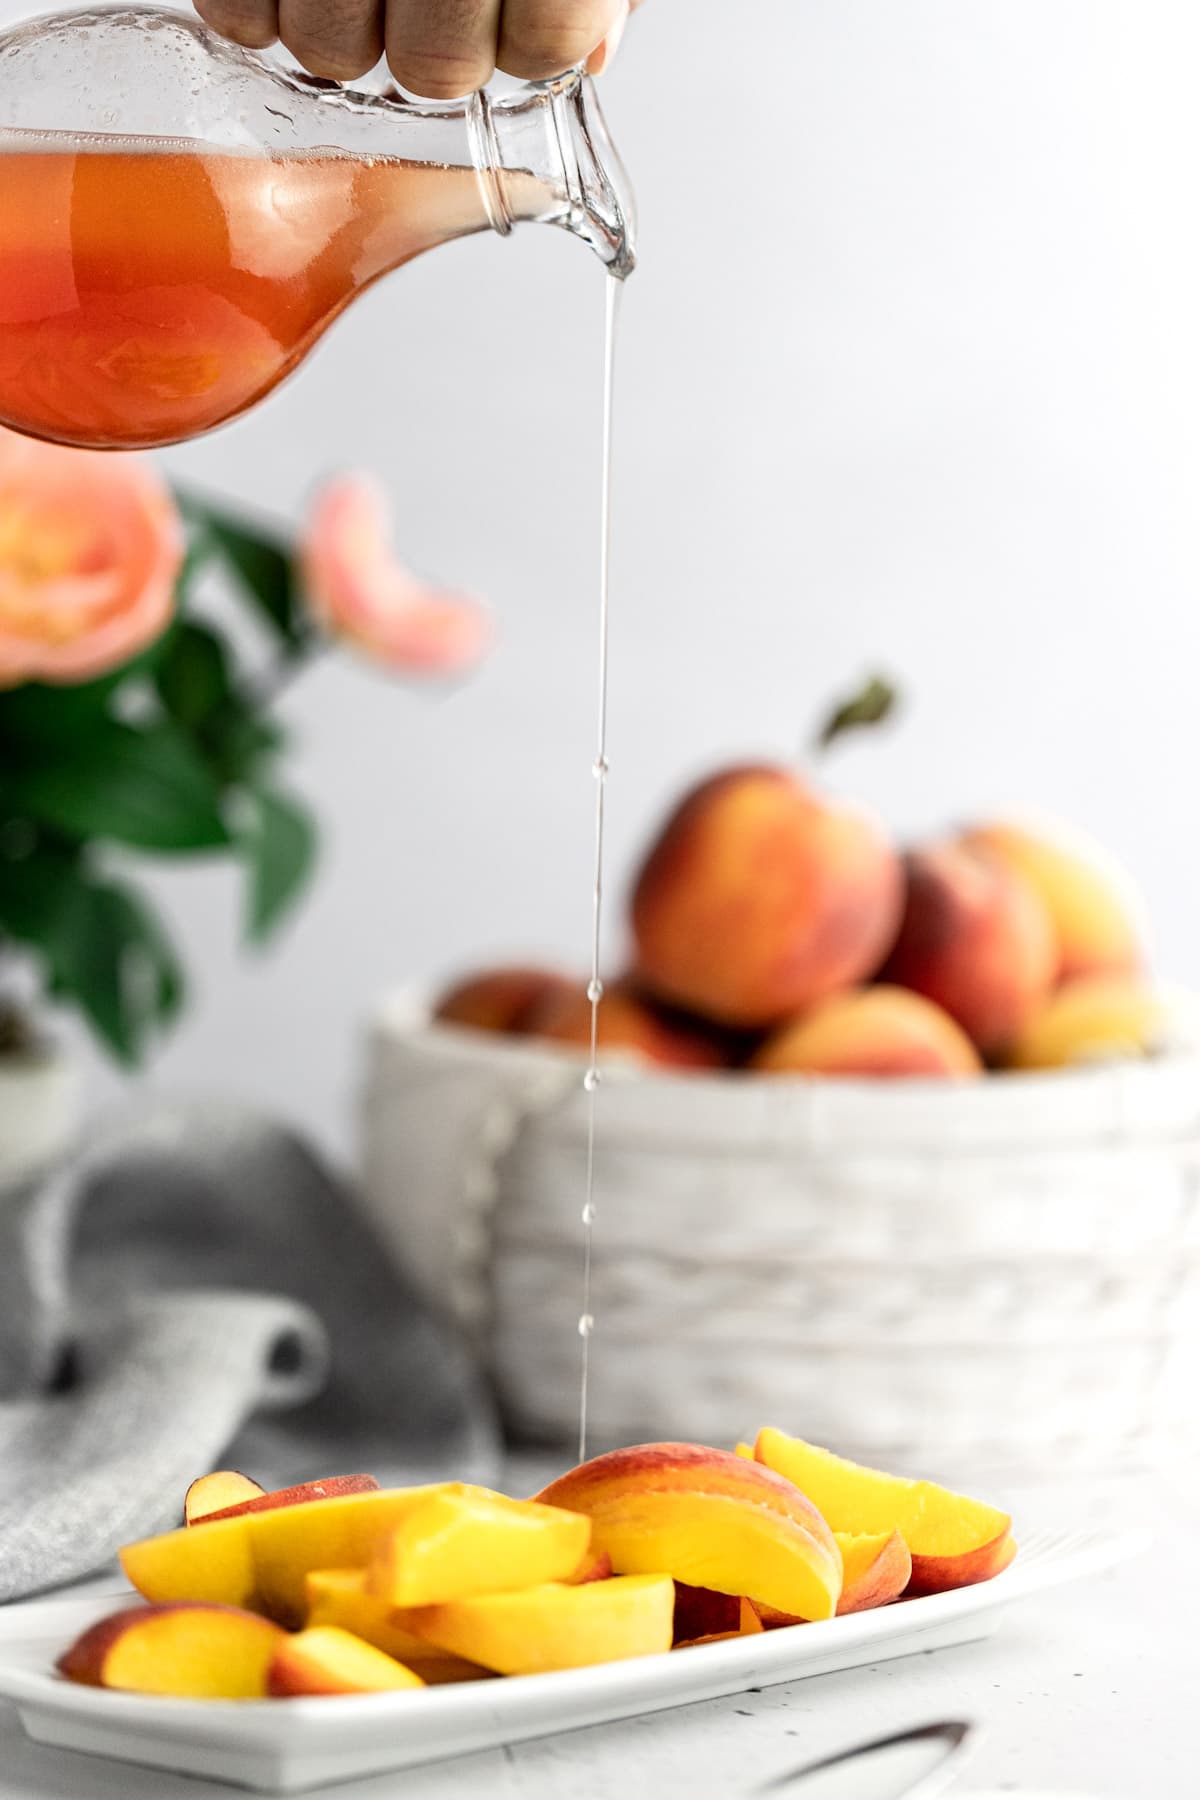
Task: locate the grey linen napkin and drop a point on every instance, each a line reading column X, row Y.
column 198, row 1290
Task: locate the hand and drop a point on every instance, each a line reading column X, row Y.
column 436, row 48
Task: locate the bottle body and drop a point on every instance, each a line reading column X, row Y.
column 155, row 283
column 149, row 294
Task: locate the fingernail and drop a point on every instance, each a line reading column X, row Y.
column 602, row 57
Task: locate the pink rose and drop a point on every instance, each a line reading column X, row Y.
column 90, row 548
column 358, row 589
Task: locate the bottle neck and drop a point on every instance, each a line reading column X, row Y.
column 544, row 153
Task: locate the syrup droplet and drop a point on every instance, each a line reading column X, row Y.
column 586, row 1324
column 591, row 1081
column 595, row 992
column 588, row 1215
column 600, row 768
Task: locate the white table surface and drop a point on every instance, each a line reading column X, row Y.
column 1093, row 1690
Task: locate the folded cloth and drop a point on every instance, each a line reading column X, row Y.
column 195, row 1289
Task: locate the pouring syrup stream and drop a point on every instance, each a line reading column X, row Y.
column 591, row 1079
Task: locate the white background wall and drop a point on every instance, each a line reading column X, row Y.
column 910, row 377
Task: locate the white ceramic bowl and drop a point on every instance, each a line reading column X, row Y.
column 998, row 1272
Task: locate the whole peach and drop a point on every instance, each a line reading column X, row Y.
column 1095, row 908
column 626, row 1023
column 761, row 896
column 1103, row 1019
column 877, row 1031
column 498, row 999
column 977, row 939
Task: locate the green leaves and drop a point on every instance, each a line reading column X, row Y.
column 279, row 842
column 259, row 559
column 878, row 699
column 99, row 944
column 119, row 965
column 193, row 675
column 145, row 786
column 37, row 714
column 173, row 754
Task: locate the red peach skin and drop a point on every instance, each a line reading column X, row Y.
column 332, row 1487
column 761, row 896
column 214, row 1493
column 977, row 940
column 878, row 1033
column 188, row 1650
column 954, row 1541
column 710, row 1519
column 498, row 1000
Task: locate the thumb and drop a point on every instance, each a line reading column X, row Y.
column 602, row 56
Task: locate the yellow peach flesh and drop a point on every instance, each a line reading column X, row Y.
column 224, row 1487
column 340, row 1597
column 206, row 1561
column 186, row 1650
column 709, row 1519
column 260, row 1559
column 876, row 1569
column 556, row 1627
column 456, row 1545
column 951, row 1538
column 329, row 1660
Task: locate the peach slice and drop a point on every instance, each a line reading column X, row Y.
column 934, row 1574
column 216, row 1492
column 702, row 1612
column 328, row 1660
column 876, row 1569
column 259, row 1558
column 593, row 1568
column 213, row 1565
column 456, row 1545
column 333, row 1487
column 953, row 1541
column 702, row 1616
column 340, row 1597
column 710, row 1519
column 191, row 1651
column 555, row 1627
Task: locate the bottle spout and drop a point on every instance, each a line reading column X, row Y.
column 604, row 212
column 556, row 132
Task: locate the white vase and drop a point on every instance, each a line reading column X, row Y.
column 38, row 1102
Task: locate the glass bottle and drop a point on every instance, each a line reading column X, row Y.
column 181, row 219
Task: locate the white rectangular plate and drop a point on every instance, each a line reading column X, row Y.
column 284, row 1746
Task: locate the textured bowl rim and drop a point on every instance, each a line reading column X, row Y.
column 1094, row 1106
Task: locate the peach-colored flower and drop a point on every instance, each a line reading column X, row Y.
column 90, row 547
column 358, row 589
